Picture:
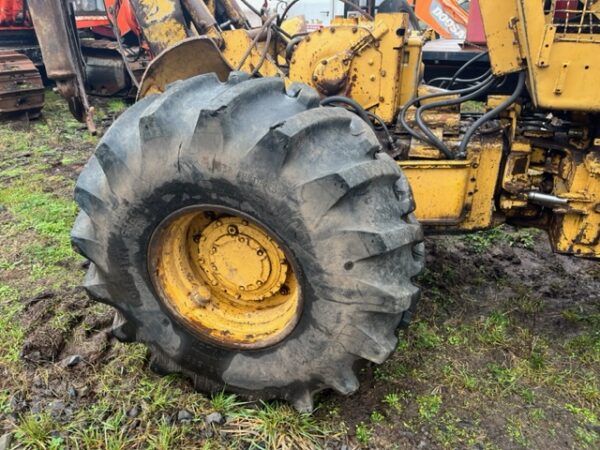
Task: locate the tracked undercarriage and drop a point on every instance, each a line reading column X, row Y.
column 21, row 86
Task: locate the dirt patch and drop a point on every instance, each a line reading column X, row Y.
column 504, row 351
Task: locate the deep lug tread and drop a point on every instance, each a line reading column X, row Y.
column 345, row 381
column 122, row 329
column 96, row 286
column 205, row 136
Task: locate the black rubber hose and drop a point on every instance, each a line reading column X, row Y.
column 413, row 133
column 466, row 66
column 286, row 11
column 289, row 48
column 462, row 80
column 493, row 113
column 484, row 87
column 390, row 139
column 359, row 110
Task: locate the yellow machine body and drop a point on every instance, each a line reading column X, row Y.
column 560, row 55
column 545, row 175
column 373, row 62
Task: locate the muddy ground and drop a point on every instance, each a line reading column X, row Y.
column 504, row 351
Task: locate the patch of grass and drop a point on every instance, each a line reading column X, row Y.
column 482, row 241
column 363, row 433
column 37, row 431
column 274, row 426
column 116, row 106
column 429, row 406
column 426, row 337
column 514, row 429
column 225, row 403
column 377, row 417
column 167, row 437
column 393, row 401
column 11, row 331
column 47, row 214
column 494, row 329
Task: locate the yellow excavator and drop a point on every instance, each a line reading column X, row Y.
column 257, row 217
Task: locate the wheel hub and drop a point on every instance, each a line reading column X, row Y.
column 241, row 260
column 226, row 277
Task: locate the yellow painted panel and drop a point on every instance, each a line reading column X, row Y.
column 440, row 189
column 457, row 195
column 500, row 25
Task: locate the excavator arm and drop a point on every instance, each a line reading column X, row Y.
column 55, row 28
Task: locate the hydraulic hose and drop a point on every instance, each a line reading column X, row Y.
column 413, row 133
column 493, row 113
column 481, row 77
column 367, row 116
column 483, row 87
column 465, row 67
column 265, row 26
column 359, row 110
column 376, row 118
column 286, row 11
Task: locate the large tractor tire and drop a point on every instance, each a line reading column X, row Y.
column 254, row 240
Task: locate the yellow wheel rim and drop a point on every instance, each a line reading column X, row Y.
column 225, row 277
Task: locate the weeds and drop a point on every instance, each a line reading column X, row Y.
column 363, row 433
column 506, row 380
column 429, row 406
column 276, row 426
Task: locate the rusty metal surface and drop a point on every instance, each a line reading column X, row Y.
column 54, row 25
column 106, row 70
column 21, row 87
column 162, row 21
column 201, row 56
column 200, row 15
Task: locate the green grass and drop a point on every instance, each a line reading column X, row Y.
column 482, row 365
column 275, row 426
column 482, row 241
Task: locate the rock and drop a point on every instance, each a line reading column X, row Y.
column 5, row 441
column 34, row 356
column 184, row 416
column 56, row 408
column 17, row 404
column 36, row 408
column 594, row 428
column 133, row 412
column 72, row 392
column 83, row 391
column 214, row 418
column 71, row 361
column 37, row 381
